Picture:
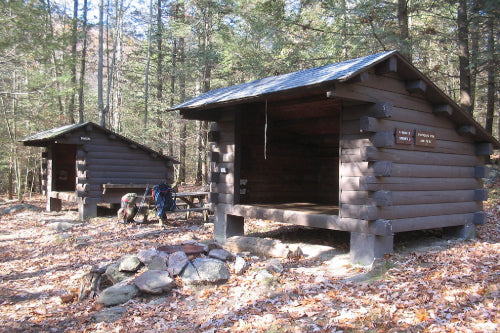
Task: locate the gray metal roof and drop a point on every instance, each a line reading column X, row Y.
column 53, row 133
column 339, row 71
column 44, row 138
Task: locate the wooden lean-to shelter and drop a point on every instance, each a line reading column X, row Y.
column 370, row 146
column 89, row 164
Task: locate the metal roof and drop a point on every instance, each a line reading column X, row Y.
column 53, row 133
column 339, row 71
column 44, row 138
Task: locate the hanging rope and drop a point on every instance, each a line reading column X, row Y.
column 265, row 134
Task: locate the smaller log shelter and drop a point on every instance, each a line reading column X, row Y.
column 88, row 164
column 370, row 146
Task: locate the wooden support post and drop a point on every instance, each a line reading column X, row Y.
column 227, row 226
column 368, row 124
column 466, row 231
column 365, row 248
column 54, row 204
column 87, row 209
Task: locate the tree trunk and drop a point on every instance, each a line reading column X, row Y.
column 464, row 56
column 146, row 72
column 404, row 34
column 490, row 101
column 74, row 42
column 182, row 96
column 81, row 90
column 100, row 67
column 159, row 64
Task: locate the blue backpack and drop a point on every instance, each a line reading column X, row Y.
column 164, row 197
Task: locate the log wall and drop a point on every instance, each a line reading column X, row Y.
column 385, row 174
column 102, row 158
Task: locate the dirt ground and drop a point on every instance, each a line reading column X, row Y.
column 430, row 284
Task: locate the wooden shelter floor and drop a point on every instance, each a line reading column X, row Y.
column 306, row 207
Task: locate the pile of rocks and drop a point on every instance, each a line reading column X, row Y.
column 153, row 271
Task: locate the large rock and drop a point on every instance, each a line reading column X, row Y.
column 118, row 293
column 205, row 271
column 145, row 256
column 109, row 315
column 240, row 265
column 154, row 282
column 176, row 262
column 61, row 226
column 114, row 275
column 220, row 254
column 157, row 263
column 19, row 208
column 129, row 263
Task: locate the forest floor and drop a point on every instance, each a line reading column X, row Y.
column 429, row 284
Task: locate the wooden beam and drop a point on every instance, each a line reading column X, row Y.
column 111, row 136
column 431, row 222
column 80, row 154
column 467, row 130
column 479, row 218
column 363, row 212
column 481, row 171
column 213, row 136
column 483, row 149
column 370, row 153
column 408, row 211
column 213, row 197
column 388, row 66
column 214, row 177
column 383, row 139
column 382, row 198
column 442, row 110
column 378, row 227
column 380, row 110
column 416, row 86
column 372, row 183
column 89, row 128
column 368, row 124
column 481, row 194
column 382, row 168
column 214, row 156
column 361, row 77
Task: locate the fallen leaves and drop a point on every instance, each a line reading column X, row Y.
column 456, row 288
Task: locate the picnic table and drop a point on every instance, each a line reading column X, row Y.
column 194, row 202
column 185, row 201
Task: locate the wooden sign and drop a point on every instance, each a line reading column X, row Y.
column 404, row 136
column 425, row 138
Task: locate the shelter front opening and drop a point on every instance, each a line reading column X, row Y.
column 289, row 154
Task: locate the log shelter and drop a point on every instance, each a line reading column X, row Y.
column 370, row 146
column 88, row 164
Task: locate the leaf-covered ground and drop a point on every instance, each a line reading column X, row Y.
column 429, row 284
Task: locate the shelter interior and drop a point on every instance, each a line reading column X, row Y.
column 64, row 167
column 289, row 153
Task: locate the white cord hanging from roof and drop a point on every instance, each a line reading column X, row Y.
column 265, row 134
